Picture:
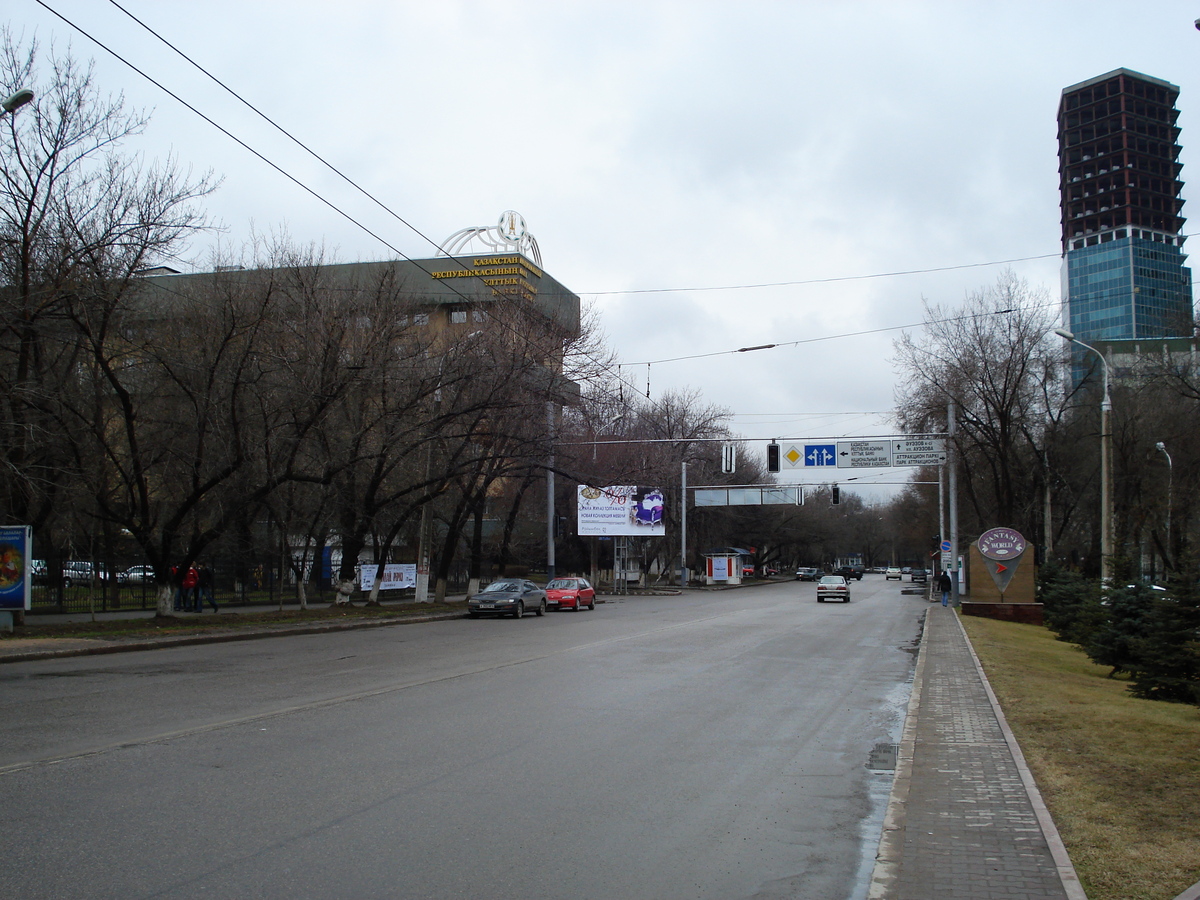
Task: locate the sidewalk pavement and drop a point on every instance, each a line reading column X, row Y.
column 965, row 819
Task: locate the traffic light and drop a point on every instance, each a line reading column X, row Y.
column 837, row 496
column 772, row 457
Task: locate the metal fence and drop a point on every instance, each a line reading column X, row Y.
column 259, row 586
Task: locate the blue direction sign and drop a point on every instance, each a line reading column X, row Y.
column 820, row 454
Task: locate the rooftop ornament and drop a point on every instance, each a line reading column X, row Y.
column 508, row 235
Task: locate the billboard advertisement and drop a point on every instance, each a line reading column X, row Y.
column 14, row 567
column 620, row 510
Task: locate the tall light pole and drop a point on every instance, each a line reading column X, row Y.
column 1106, row 507
column 1162, row 448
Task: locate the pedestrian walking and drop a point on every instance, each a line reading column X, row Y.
column 204, row 588
column 945, row 585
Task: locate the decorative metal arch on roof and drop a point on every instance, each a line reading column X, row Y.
column 508, row 235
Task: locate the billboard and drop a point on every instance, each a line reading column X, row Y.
column 14, row 567
column 620, row 510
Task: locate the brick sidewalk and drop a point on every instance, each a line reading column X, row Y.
column 965, row 820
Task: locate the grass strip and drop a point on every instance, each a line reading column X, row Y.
column 1121, row 776
column 151, row 626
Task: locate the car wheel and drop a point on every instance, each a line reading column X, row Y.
column 519, row 611
column 541, row 610
column 819, row 600
column 592, row 605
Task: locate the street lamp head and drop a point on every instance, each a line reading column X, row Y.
column 17, row 100
column 1063, row 333
column 1161, row 447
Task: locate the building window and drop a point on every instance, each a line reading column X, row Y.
column 421, row 318
column 458, row 317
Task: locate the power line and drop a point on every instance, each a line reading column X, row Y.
column 768, row 284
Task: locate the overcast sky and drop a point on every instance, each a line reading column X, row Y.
column 662, row 145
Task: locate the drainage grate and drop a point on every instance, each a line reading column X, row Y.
column 883, row 757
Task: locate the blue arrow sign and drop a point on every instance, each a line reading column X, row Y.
column 820, row 454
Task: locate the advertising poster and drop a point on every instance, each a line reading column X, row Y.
column 620, row 510
column 14, row 567
column 395, row 576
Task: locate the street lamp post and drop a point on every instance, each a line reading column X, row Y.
column 1106, row 503
column 1162, row 448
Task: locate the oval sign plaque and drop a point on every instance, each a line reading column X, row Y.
column 1001, row 544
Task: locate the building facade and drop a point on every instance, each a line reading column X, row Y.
column 1124, row 270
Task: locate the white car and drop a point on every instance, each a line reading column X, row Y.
column 833, row 587
column 893, row 572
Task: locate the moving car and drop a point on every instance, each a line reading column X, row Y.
column 571, row 593
column 919, row 575
column 893, row 572
column 833, row 587
column 807, row 573
column 849, row 572
column 508, row 597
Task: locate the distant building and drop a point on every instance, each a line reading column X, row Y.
column 1124, row 272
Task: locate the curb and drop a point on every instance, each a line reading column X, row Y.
column 891, row 842
column 225, row 638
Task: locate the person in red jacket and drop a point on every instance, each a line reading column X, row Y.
column 191, row 598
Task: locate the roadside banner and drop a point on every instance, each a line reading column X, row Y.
column 395, row 576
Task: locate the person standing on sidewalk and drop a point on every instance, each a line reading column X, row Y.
column 944, row 584
column 191, row 598
column 204, row 588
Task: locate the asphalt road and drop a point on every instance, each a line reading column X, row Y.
column 711, row 745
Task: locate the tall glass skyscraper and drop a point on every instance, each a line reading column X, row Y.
column 1124, row 277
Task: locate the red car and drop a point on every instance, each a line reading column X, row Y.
column 571, row 593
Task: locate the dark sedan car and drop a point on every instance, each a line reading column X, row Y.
column 918, row 575
column 508, row 597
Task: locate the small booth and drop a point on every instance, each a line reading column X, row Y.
column 723, row 567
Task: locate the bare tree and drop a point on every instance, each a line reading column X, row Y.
column 990, row 357
column 79, row 218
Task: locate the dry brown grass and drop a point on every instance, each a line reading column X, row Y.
column 1120, row 775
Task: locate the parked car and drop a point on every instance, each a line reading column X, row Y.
column 849, row 572
column 833, row 587
column 808, row 573
column 136, row 575
column 919, row 575
column 892, row 572
column 747, row 571
column 508, row 597
column 80, row 572
column 571, row 593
